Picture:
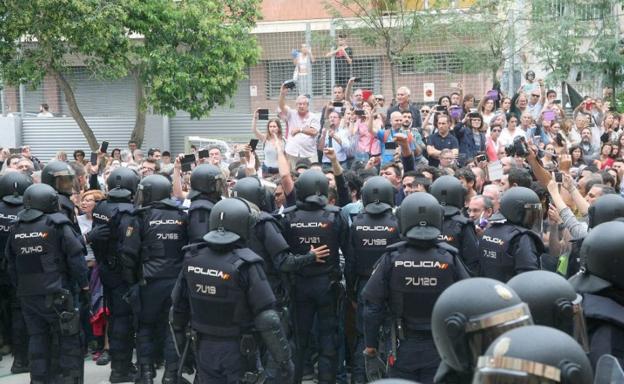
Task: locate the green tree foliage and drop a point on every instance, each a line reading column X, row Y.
column 38, row 37
column 187, row 55
column 485, row 36
column 393, row 26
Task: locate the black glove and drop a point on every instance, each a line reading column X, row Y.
column 98, row 233
column 287, row 372
column 85, row 300
column 375, row 367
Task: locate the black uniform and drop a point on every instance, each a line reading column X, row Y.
column 507, row 250
column 153, row 244
column 459, row 232
column 13, row 326
column 221, row 293
column 316, row 286
column 45, row 254
column 369, row 237
column 404, row 276
column 600, row 283
column 198, row 214
column 116, row 214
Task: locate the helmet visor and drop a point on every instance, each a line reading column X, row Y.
column 578, row 327
column 510, row 370
column 483, row 330
column 533, row 217
column 64, row 184
column 139, row 198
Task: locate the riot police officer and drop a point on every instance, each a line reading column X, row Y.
column 533, row 354
column 60, row 176
column 12, row 187
column 46, row 259
column 221, row 292
column 152, row 257
column 416, row 270
column 605, row 208
column 267, row 241
column 511, row 244
column 207, row 186
column 458, row 231
column 466, row 318
column 553, row 302
column 370, row 233
column 601, row 283
column 111, row 219
column 317, row 286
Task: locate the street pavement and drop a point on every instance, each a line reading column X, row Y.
column 94, row 374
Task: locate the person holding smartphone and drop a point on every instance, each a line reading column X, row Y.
column 268, row 139
column 386, row 137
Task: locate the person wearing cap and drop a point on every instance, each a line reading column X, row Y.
column 403, row 104
column 415, row 270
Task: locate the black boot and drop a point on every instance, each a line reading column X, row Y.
column 146, row 374
column 171, row 377
column 20, row 365
column 120, row 373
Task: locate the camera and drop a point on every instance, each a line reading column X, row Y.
column 289, row 84
column 517, row 148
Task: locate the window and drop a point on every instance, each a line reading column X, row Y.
column 278, row 71
column 446, row 62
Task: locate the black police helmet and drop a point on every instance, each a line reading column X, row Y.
column 312, row 187
column 39, row 199
column 122, row 183
column 231, row 220
column 377, row 195
column 534, row 354
column 603, row 253
column 605, row 208
column 520, row 206
column 59, row 175
column 553, row 302
column 420, row 217
column 450, row 193
column 12, row 187
column 153, row 188
column 251, row 189
column 469, row 315
column 206, row 179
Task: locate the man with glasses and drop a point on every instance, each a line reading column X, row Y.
column 536, row 101
column 403, row 104
column 149, row 167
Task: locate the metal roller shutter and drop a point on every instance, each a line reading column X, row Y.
column 225, row 123
column 46, row 136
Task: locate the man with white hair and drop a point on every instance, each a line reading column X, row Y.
column 493, row 192
column 403, row 104
column 302, row 129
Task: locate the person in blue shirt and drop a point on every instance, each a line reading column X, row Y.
column 387, row 136
column 441, row 139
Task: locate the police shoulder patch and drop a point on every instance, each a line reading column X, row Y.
column 129, row 231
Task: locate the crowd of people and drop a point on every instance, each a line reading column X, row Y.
column 473, row 239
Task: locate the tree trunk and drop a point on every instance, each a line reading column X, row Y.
column 138, row 133
column 70, row 98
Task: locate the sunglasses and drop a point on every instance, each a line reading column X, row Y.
column 424, row 110
column 496, row 130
